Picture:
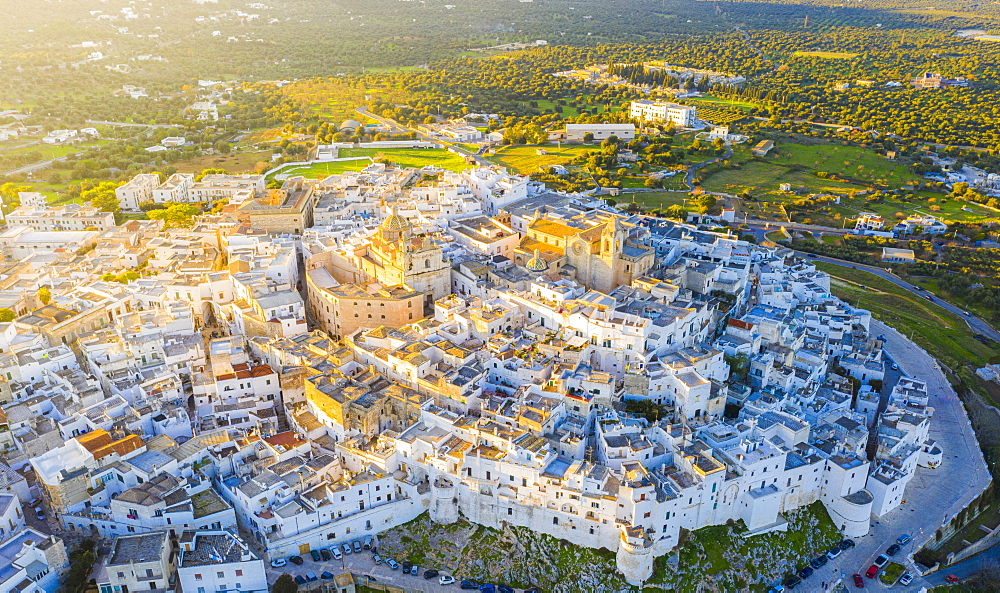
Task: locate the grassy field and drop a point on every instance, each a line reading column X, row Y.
column 526, row 160
column 944, row 335
column 830, row 55
column 654, row 199
column 796, row 163
column 712, row 100
column 847, row 161
column 417, row 158
column 337, row 100
column 233, row 163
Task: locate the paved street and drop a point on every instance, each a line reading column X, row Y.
column 933, row 495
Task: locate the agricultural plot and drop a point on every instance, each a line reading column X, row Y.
column 336, row 100
column 652, row 200
column 526, row 160
column 234, row 163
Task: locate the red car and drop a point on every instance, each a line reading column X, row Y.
column 952, row 578
column 872, row 571
column 858, row 581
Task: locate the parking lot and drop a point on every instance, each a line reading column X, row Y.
column 362, row 564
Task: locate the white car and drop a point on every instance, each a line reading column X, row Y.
column 446, row 579
column 278, row 562
column 337, row 554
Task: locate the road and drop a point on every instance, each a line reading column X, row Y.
column 689, row 180
column 965, row 568
column 34, row 167
column 976, row 324
column 932, row 495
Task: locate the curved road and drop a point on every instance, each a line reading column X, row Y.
column 689, row 180
column 977, row 324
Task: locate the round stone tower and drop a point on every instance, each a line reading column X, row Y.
column 444, row 501
column 635, row 555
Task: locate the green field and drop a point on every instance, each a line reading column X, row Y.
column 526, row 160
column 650, row 200
column 796, row 164
column 713, row 101
column 48, row 151
column 847, row 161
column 417, row 158
column 944, row 335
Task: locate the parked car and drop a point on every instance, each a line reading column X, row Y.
column 296, row 560
column 311, row 576
column 834, row 552
column 392, row 564
column 952, row 579
column 279, row 562
column 892, row 550
column 337, row 554
column 406, row 567
column 776, row 589
column 859, row 582
column 487, row 588
column 469, row 585
column 40, row 513
column 819, row 561
column 906, row 579
column 846, row 544
column 881, row 561
column 356, row 545
column 376, row 559
column 430, row 573
column 872, row 571
column 346, row 547
column 326, row 576
column 326, row 555
column 446, row 579
column 315, row 555
column 792, row 582
column 415, row 569
column 895, row 367
column 300, row 579
column 505, row 589
column 903, row 539
column 805, row 573
column 368, row 542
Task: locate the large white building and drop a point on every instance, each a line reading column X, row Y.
column 682, row 116
column 70, row 217
column 137, row 190
column 600, row 132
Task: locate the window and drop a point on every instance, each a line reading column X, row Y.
column 197, row 576
column 221, row 575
